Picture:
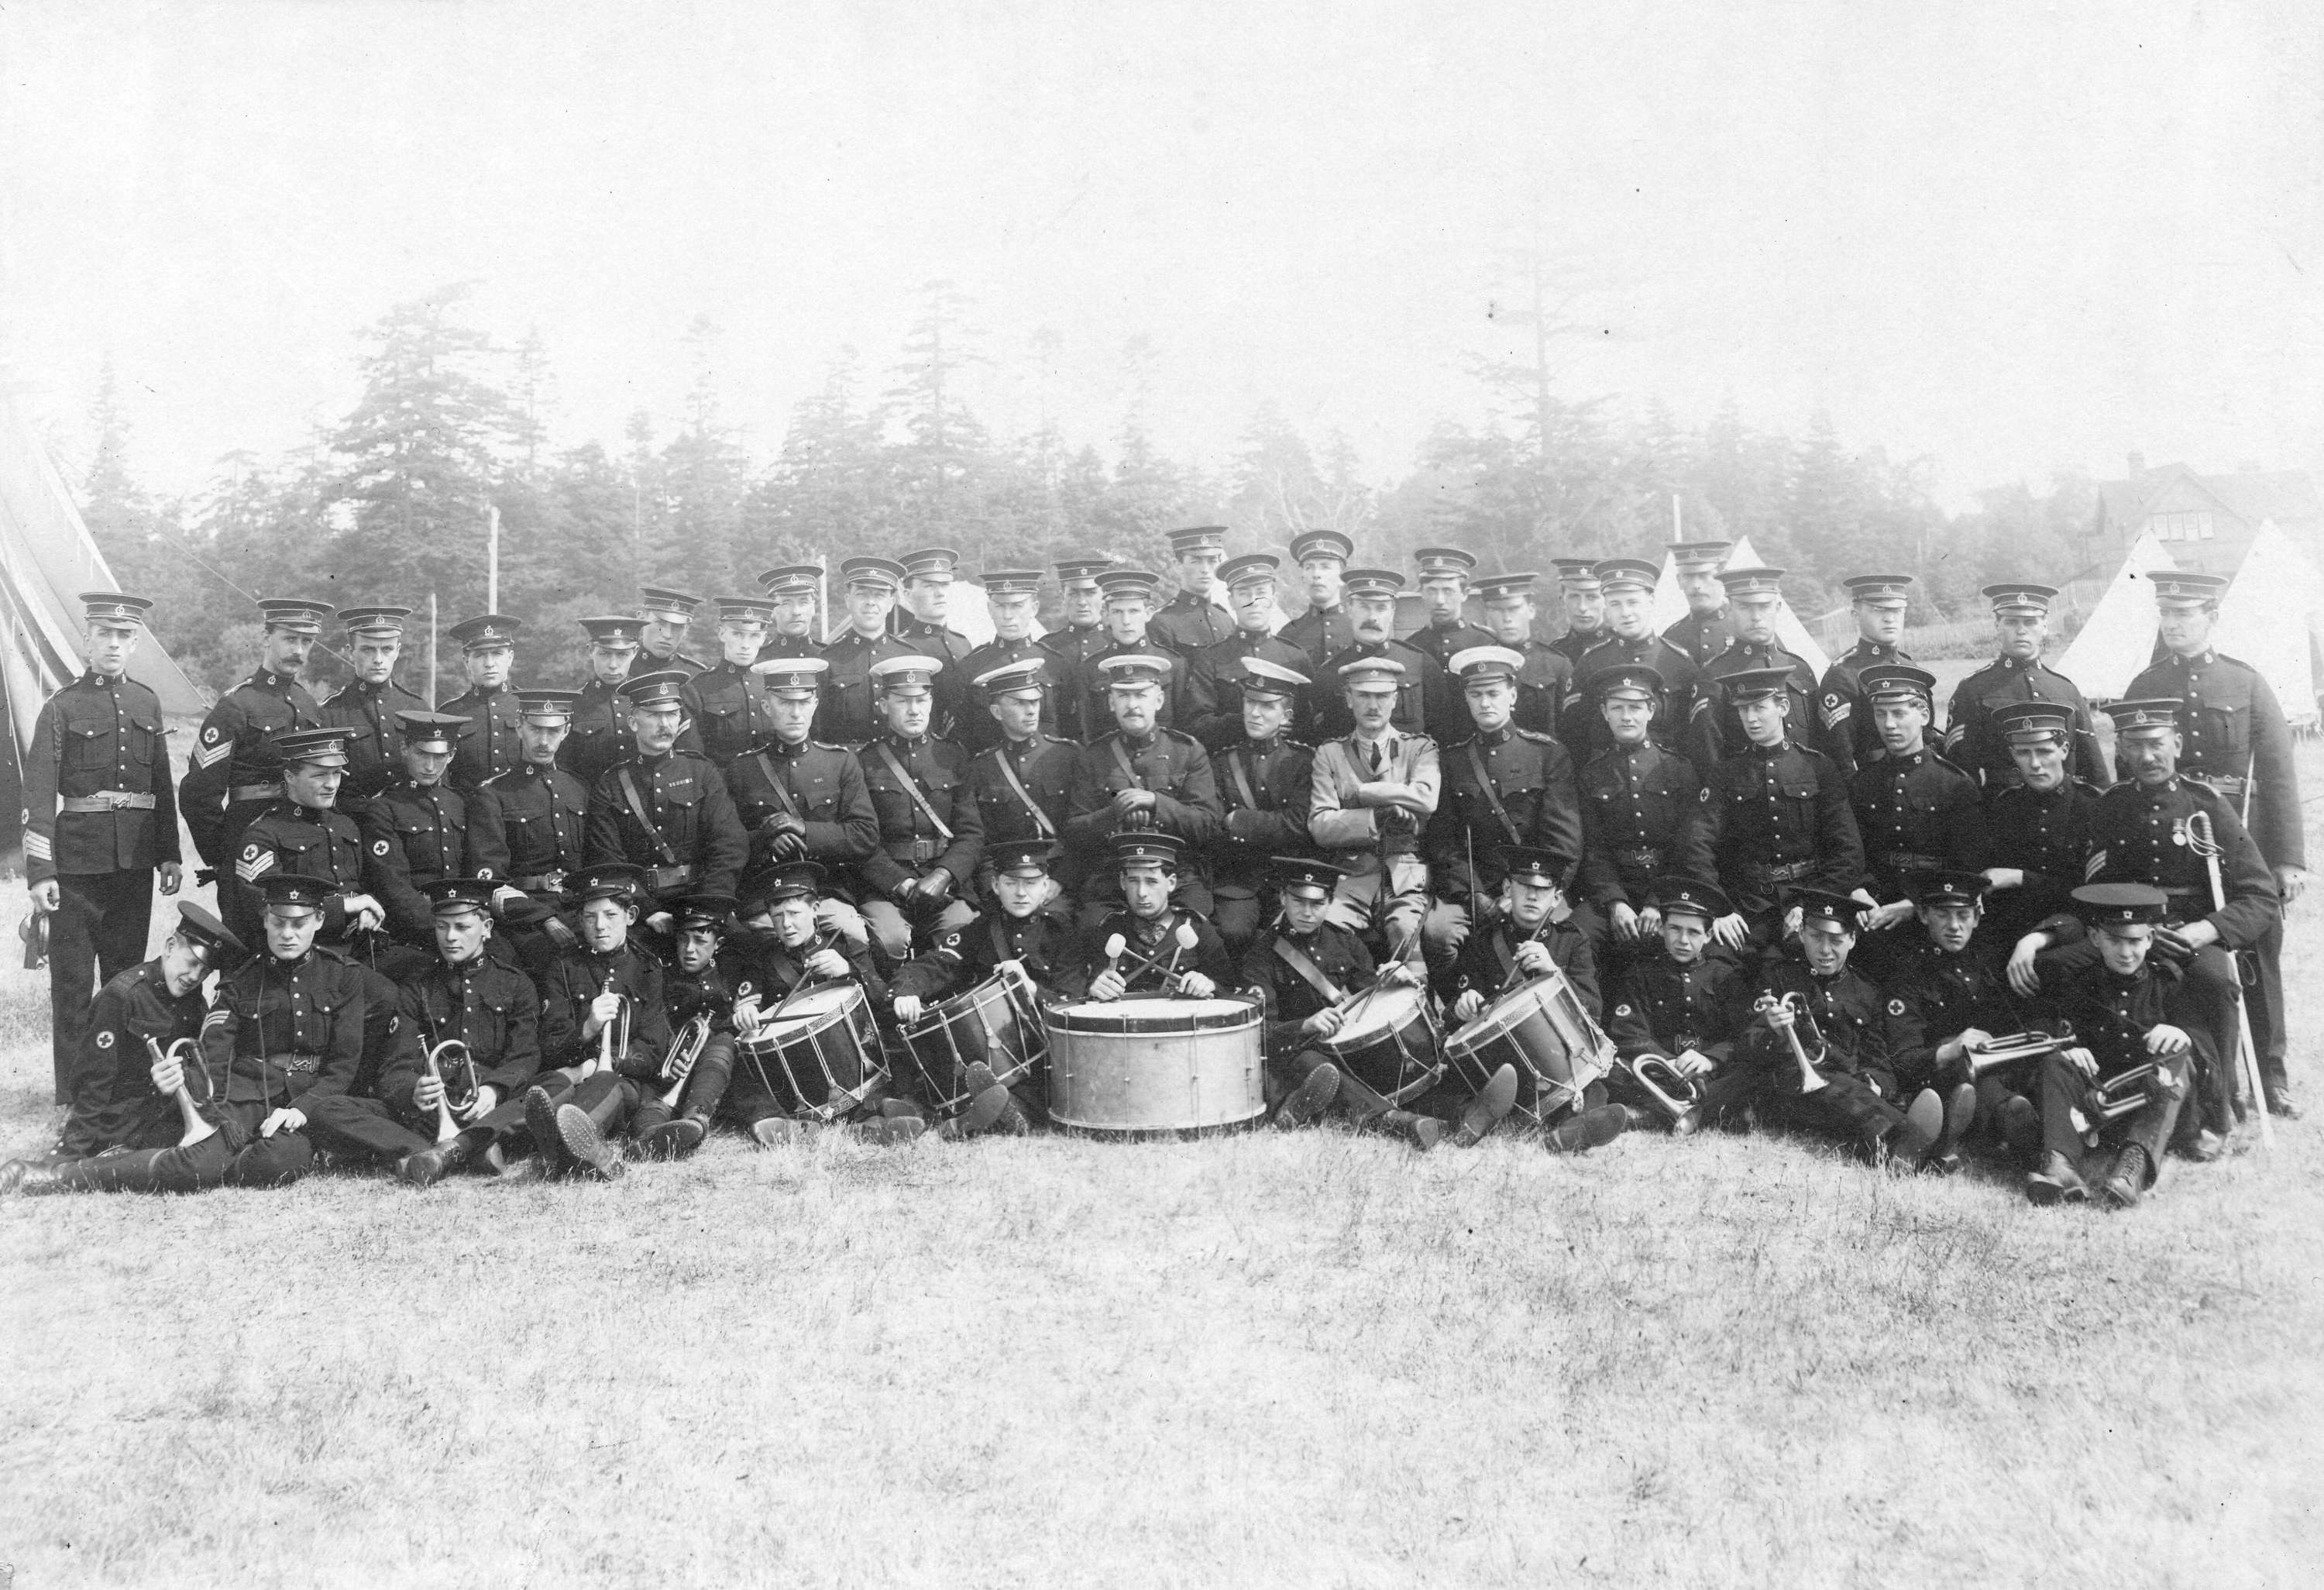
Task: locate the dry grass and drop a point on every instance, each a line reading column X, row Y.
column 1311, row 1360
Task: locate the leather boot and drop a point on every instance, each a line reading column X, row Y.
column 650, row 1113
column 1422, row 1131
column 1589, row 1130
column 1960, row 1109
column 1310, row 1099
column 586, row 1146
column 1911, row 1140
column 540, row 1124
column 1488, row 1109
column 30, row 1178
column 989, row 1105
column 2021, row 1125
column 671, row 1139
column 891, row 1132
column 2057, row 1182
column 430, row 1165
column 778, row 1131
column 2125, row 1184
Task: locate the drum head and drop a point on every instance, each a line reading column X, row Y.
column 817, row 1004
column 1137, row 1014
column 1383, row 1010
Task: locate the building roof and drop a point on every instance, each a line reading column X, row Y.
column 2288, row 496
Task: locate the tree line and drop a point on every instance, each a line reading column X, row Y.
column 390, row 503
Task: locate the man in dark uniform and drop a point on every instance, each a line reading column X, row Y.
column 1914, row 810
column 1327, row 628
column 367, row 705
column 1426, row 702
column 526, row 829
column 2039, row 835
column 923, row 622
column 1702, row 633
column 1444, row 591
column 666, row 812
column 1214, row 676
column 1637, row 803
column 1024, row 784
column 793, row 589
column 1504, row 788
column 603, row 1025
column 2120, row 1010
column 599, row 737
column 1082, row 637
column 698, row 990
column 1193, row 619
column 415, row 832
column 1755, row 597
column 1811, row 996
column 1675, row 1015
column 727, row 701
column 1843, row 719
column 233, row 774
column 1267, row 784
column 1130, row 597
column 1141, row 776
column 800, row 798
column 489, row 747
column 850, row 710
column 1145, row 872
column 2021, row 613
column 100, row 820
column 2233, row 737
column 1774, row 818
column 662, row 632
column 1582, row 598
column 1013, row 598
column 916, row 883
column 1681, row 718
column 1947, row 996
column 115, row 1104
column 1546, row 681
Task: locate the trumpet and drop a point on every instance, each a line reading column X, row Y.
column 614, row 1037
column 685, row 1049
column 454, row 1052
column 1809, row 1081
column 180, row 1050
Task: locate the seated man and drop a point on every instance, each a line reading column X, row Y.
column 1265, row 781
column 1530, row 936
column 1947, row 995
column 415, row 830
column 2092, row 1093
column 800, row 798
column 1153, row 932
column 1142, row 775
column 931, row 834
column 1677, row 1015
column 602, row 1024
column 1819, row 1056
column 698, row 987
column 525, row 832
column 127, row 1130
column 666, row 811
column 1373, row 794
column 1024, row 777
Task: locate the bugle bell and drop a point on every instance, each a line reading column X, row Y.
column 186, row 1052
column 454, row 1071
column 685, row 1049
column 1767, row 1002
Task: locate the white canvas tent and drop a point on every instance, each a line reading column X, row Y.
column 2118, row 639
column 1670, row 606
column 2267, row 616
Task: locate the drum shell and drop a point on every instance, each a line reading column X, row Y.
column 1138, row 1067
column 1395, row 1052
column 1540, row 1028
column 998, row 1023
column 823, row 1065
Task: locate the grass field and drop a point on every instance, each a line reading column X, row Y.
column 1305, row 1360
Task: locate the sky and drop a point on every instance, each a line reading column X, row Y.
column 2016, row 238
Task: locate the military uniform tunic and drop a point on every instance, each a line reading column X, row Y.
column 1291, row 996
column 1681, row 715
column 235, row 770
column 673, row 661
column 695, row 843
column 1725, row 725
column 1322, row 633
column 1976, row 746
column 1442, row 641
column 822, row 785
column 1173, row 765
column 848, row 715
column 115, row 1104
column 573, row 981
column 729, row 706
column 291, row 838
column 1935, row 995
column 1096, row 702
column 1575, row 644
column 2232, row 736
column 954, row 697
column 1209, row 956
column 1844, row 729
column 1774, row 817
column 1487, row 963
column 1267, row 790
column 374, row 739
column 1701, row 635
column 493, row 1009
column 1426, row 703
column 283, row 1032
column 962, row 957
column 1511, row 787
column 1044, row 766
column 600, row 736
column 1545, row 685
column 1188, row 622
column 1914, row 813
column 1215, row 686
column 414, row 835
column 975, row 728
column 1638, row 803
column 2139, row 835
column 910, row 842
column 528, row 825
column 1663, row 1008
column 2045, row 834
column 490, row 745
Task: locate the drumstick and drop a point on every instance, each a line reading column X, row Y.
column 804, row 983
column 1114, row 945
column 1184, row 939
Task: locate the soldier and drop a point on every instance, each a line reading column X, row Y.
column 2119, row 1009
column 727, row 701
column 234, row 772
column 367, row 705
column 1504, row 787
column 1327, row 628
column 526, row 828
column 800, row 798
column 793, row 590
column 1145, row 872
column 1444, row 591
column 115, row 1104
column 603, row 1025
column 599, row 734
column 1626, row 587
column 931, row 832
column 1914, row 810
column 699, row 986
column 1267, row 785
column 1193, row 619
column 1844, row 728
column 1014, row 600
column 1755, row 597
column 2233, row 737
column 1546, row 681
column 665, row 811
column 1682, row 1008
column 1130, row 604
column 1946, row 997
column 1024, row 784
column 489, row 746
column 1702, row 633
column 2040, row 833
column 1638, row 804
column 1141, row 776
column 1214, row 677
column 1425, row 702
column 415, row 832
column 850, row 709
column 1773, row 817
column 925, row 629
column 1813, row 1000
column 100, row 820
column 663, row 630
column 1082, row 636
column 1373, row 794
column 2021, row 614
column 1582, row 597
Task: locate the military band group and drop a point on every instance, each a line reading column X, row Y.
column 558, row 927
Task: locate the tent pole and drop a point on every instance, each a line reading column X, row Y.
column 431, row 651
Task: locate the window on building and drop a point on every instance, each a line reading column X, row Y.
column 2194, row 526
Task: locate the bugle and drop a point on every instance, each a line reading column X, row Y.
column 180, row 1049
column 2009, row 1048
column 1767, row 1002
column 614, row 1037
column 685, row 1049
column 1674, row 1093
column 448, row 1128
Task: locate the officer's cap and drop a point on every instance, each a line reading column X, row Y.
column 905, row 676
column 1145, row 846
column 1027, row 858
column 1842, row 911
column 1692, row 897
column 200, row 927
column 1701, row 557
column 659, row 689
column 1898, row 681
column 1131, row 670
column 429, row 730
column 1262, row 677
column 316, row 747
column 1478, row 665
column 300, row 616
column 450, row 896
column 792, row 676
column 114, row 607
column 1372, row 674
column 1321, row 543
column 2156, row 712
column 1304, row 873
column 1250, row 569
column 1944, row 886
column 486, row 631
column 1615, row 573
column 2183, row 590
column 2120, row 905
column 1027, row 676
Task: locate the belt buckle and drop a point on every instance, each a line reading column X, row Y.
column 555, row 881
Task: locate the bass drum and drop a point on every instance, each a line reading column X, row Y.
column 1138, row 1067
column 821, row 1059
column 998, row 1023
column 1542, row 1028
column 1388, row 1042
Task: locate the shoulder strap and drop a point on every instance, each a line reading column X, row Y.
column 999, row 942
column 782, row 796
column 645, row 820
column 1493, row 796
column 1235, row 758
column 1017, row 786
column 1301, row 962
column 912, row 787
column 1122, row 760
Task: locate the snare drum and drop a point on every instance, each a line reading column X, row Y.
column 1542, row 1028
column 1389, row 1043
column 821, row 1057
column 1131, row 1066
column 998, row 1023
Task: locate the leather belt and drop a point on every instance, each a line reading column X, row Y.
column 537, row 883
column 107, row 801
column 1906, row 860
column 660, row 879
column 294, row 1063
column 2225, row 783
column 1646, row 858
column 256, row 793
column 913, row 850
column 1782, row 872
